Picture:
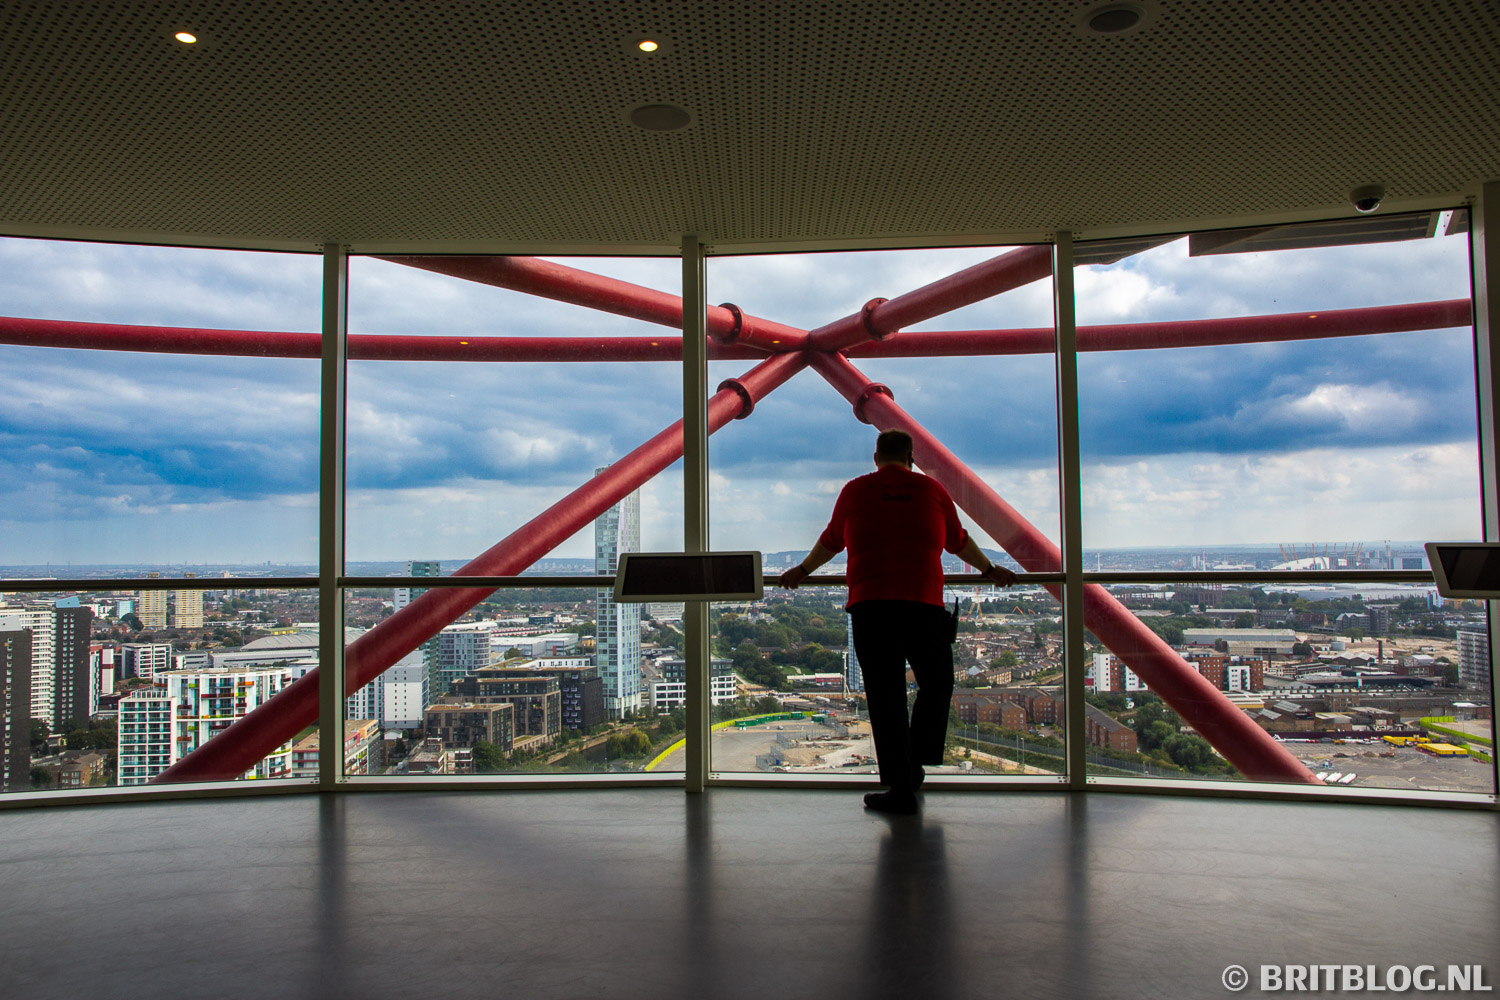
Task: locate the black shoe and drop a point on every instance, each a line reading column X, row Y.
column 896, row 803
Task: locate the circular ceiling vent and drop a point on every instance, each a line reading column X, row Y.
column 660, row 117
column 1111, row 20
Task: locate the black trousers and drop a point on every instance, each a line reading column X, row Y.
column 887, row 636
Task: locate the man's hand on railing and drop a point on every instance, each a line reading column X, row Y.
column 999, row 576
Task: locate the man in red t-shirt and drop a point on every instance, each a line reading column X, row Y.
column 896, row 524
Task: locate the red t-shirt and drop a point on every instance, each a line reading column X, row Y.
column 896, row 524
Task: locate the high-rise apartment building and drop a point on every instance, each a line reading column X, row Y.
column 160, row 725
column 151, row 606
column 367, row 701
column 537, row 697
column 145, row 729
column 145, row 659
column 854, row 677
column 617, row 627
column 401, row 597
column 364, row 750
column 103, row 665
column 40, row 619
column 187, row 611
column 15, row 706
column 1107, row 673
column 671, row 691
column 1474, row 656
column 75, row 684
column 582, row 691
column 417, row 567
column 463, row 648
column 405, row 693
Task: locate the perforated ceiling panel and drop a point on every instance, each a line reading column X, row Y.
column 470, row 123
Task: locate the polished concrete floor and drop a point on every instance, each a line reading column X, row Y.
column 737, row 893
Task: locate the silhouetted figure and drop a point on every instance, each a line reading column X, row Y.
column 896, row 524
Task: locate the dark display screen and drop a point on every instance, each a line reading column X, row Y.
column 684, row 577
column 1469, row 570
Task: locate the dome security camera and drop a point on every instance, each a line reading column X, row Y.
column 1366, row 198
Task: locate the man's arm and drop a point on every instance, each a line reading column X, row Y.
column 974, row 556
column 819, row 555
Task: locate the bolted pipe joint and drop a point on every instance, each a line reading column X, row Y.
column 736, row 327
column 747, row 401
column 873, row 389
column 867, row 317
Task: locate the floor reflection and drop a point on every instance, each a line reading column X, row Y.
column 910, row 930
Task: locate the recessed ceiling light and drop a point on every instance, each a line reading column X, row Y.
column 660, row 117
column 186, row 37
column 653, row 44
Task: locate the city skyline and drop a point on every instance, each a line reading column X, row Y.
column 122, row 458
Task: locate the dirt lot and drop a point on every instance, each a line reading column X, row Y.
column 1407, row 769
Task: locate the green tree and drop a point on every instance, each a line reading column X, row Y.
column 765, row 705
column 1155, row 734
column 1170, row 631
column 822, row 661
column 1302, row 649
column 1153, row 710
column 1189, row 750
column 93, row 737
column 1007, row 659
column 747, row 661
column 1450, row 674
column 1356, row 633
column 1244, row 620
column 39, row 733
column 488, row 758
column 1109, row 701
column 632, row 743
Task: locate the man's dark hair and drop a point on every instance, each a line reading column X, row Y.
column 894, row 445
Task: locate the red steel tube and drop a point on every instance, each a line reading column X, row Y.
column 369, row 347
column 157, row 339
column 362, row 347
column 1366, row 321
column 1331, row 323
column 880, row 319
column 237, row 749
column 1215, row 717
column 623, row 298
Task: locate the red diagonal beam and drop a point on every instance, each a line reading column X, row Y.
column 1330, row 323
column 237, row 749
column 726, row 323
column 881, row 317
column 1231, row 731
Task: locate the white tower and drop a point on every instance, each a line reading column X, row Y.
column 617, row 627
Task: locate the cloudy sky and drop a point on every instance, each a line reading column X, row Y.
column 112, row 457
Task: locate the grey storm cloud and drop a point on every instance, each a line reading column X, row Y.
column 82, row 429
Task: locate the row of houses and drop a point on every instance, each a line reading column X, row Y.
column 1026, row 707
